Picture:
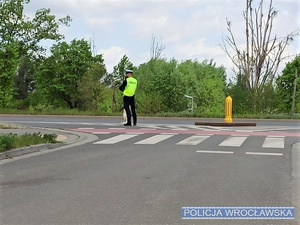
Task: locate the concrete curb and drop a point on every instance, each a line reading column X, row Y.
column 296, row 180
column 27, row 150
column 67, row 138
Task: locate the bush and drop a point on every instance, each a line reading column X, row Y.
column 10, row 141
column 7, row 142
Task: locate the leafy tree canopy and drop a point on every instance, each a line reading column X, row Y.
column 289, row 83
column 61, row 74
column 20, row 37
column 17, row 27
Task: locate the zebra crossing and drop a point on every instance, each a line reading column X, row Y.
column 189, row 127
column 214, row 128
column 267, row 142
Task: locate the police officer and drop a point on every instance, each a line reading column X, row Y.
column 128, row 88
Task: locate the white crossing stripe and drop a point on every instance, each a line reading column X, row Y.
column 116, row 139
column 215, row 152
column 233, row 141
column 264, row 153
column 193, row 140
column 245, row 131
column 147, row 129
column 148, row 126
column 155, row 139
column 101, row 132
column 273, row 142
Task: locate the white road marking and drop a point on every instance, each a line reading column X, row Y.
column 233, row 141
column 116, row 139
column 147, row 129
column 86, row 128
column 150, row 126
column 264, row 153
column 116, row 128
column 273, row 142
column 51, row 122
column 193, row 140
column 101, row 132
column 176, row 127
column 215, row 152
column 245, row 131
column 208, row 128
column 154, row 139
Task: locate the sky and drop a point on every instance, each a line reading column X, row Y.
column 188, row 29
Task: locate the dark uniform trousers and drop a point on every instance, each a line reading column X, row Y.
column 129, row 101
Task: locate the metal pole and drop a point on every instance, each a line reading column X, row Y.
column 294, row 92
column 192, row 98
column 192, row 105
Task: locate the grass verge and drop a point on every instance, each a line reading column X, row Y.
column 75, row 112
column 8, row 126
column 12, row 141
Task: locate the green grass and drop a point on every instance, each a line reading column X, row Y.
column 8, row 126
column 267, row 116
column 12, row 141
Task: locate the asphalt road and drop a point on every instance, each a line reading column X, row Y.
column 146, row 174
column 73, row 121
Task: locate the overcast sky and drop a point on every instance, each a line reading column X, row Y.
column 189, row 29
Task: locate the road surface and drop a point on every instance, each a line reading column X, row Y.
column 146, row 174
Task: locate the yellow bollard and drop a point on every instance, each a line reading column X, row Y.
column 228, row 110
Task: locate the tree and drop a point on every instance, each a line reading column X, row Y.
column 161, row 85
column 206, row 83
column 148, row 100
column 20, row 37
column 238, row 91
column 171, row 87
column 156, row 48
column 115, row 78
column 24, row 80
column 16, row 27
column 8, row 66
column 90, row 89
column 288, row 85
column 118, row 74
column 262, row 54
column 60, row 75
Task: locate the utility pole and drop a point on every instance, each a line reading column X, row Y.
column 294, row 92
column 113, row 103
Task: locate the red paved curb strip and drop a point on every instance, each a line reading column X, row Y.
column 226, row 124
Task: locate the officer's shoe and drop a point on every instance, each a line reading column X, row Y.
column 127, row 124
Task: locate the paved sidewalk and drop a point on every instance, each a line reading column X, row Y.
column 64, row 137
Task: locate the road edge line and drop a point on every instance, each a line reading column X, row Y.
column 296, row 180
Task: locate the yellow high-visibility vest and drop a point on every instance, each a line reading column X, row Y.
column 130, row 87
